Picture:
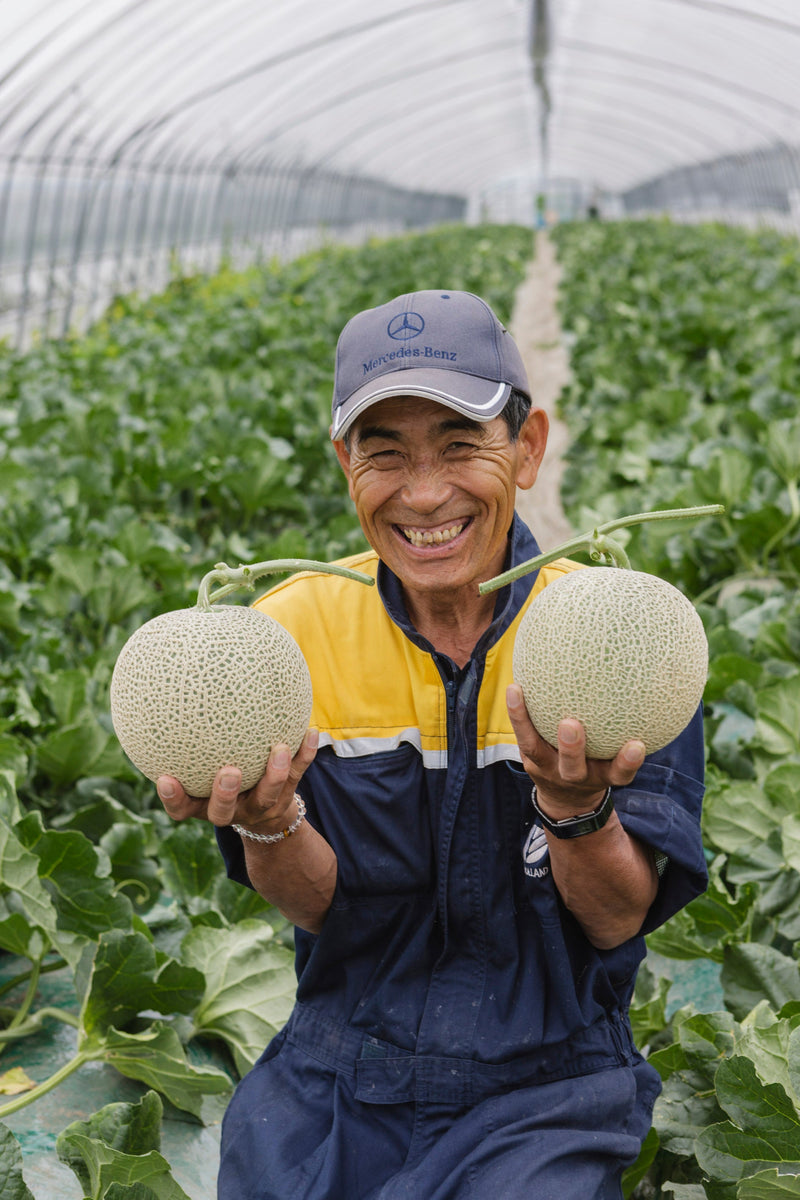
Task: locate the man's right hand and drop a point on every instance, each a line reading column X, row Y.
column 267, row 807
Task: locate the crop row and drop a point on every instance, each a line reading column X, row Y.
column 183, row 429
column 685, row 389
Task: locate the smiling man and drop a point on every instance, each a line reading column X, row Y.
column 469, row 900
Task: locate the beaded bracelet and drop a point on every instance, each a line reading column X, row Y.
column 276, row 837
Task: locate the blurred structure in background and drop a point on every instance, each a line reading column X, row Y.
column 141, row 137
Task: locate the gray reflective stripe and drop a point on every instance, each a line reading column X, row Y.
column 361, row 747
column 435, row 760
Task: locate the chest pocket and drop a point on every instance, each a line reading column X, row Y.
column 375, row 812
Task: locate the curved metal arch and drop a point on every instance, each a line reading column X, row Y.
column 410, row 111
column 107, row 64
column 414, row 71
column 679, row 69
column 657, row 120
column 255, row 152
column 280, row 58
column 419, row 109
column 655, row 86
column 91, row 37
column 743, row 14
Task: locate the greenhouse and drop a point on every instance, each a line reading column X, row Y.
column 204, row 209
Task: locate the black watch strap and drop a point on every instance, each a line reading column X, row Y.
column 572, row 827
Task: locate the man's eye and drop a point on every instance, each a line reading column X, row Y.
column 384, row 456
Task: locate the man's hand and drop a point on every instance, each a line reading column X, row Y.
column 265, row 808
column 567, row 782
column 606, row 879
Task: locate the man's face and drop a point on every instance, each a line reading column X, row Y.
column 435, row 491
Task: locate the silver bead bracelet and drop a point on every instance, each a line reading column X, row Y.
column 284, row 833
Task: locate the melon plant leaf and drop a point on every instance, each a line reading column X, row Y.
column 764, row 1125
column 17, row 936
column 191, row 864
column 19, row 874
column 109, row 1168
column 752, row 972
column 769, row 1185
column 133, row 1128
column 156, row 1058
column 77, row 876
column 72, row 751
column 772, row 1045
column 127, row 976
column 737, row 814
column 790, row 840
column 778, row 721
column 705, row 926
column 12, row 1185
column 250, row 986
column 686, row 1106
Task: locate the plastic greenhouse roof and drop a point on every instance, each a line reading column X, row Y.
column 441, row 95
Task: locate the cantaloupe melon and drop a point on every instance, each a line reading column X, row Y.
column 195, row 690
column 622, row 651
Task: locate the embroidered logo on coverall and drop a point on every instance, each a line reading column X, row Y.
column 535, row 852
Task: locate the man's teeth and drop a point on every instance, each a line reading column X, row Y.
column 419, row 537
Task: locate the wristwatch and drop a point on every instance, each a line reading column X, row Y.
column 572, row 827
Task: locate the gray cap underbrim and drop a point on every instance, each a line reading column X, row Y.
column 480, row 399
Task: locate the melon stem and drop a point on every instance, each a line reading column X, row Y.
column 597, row 544
column 245, row 576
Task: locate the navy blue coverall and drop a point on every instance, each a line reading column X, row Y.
column 455, row 1034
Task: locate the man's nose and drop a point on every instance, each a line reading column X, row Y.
column 426, row 488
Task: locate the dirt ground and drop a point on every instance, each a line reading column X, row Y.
column 537, row 331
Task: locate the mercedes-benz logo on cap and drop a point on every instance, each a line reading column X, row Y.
column 404, row 326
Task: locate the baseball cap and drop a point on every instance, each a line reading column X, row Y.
column 443, row 345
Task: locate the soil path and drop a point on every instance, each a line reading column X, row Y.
column 536, row 329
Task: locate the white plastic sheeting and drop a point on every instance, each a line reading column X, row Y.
column 131, row 129
column 428, row 94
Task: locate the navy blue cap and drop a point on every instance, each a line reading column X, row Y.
column 444, row 346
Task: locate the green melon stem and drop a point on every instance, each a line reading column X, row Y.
column 233, row 578
column 599, row 546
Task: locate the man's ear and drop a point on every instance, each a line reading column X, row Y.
column 531, row 445
column 343, row 455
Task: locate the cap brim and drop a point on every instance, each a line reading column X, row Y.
column 480, row 399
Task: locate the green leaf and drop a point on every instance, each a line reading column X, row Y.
column 132, row 1128
column 752, row 972
column 778, row 721
column 250, row 986
column 111, row 1169
column 129, row 976
column 191, row 864
column 686, row 1106
column 790, row 840
column 769, row 1185
column 73, row 751
column 737, row 814
column 767, row 1041
column 764, row 1127
column 157, row 1058
column 77, row 877
column 705, row 926
column 12, row 1185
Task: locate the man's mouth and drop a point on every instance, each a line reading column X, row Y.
column 431, row 537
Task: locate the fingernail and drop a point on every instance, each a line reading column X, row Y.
column 513, row 697
column 312, row 739
column 280, row 758
column 634, row 754
column 569, row 735
column 229, row 781
column 165, row 790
